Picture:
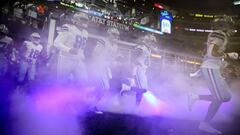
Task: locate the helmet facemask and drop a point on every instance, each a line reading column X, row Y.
column 80, row 20
column 150, row 41
column 218, row 38
column 35, row 38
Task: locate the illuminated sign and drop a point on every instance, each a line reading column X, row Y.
column 147, row 29
column 79, row 4
column 165, row 13
column 78, row 7
column 156, row 56
column 203, row 15
column 110, row 23
column 198, row 15
column 198, row 30
column 73, row 4
column 166, row 21
column 165, row 26
column 91, row 12
column 190, row 62
column 96, row 17
column 67, row 5
column 208, row 16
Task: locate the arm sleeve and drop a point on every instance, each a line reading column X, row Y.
column 59, row 42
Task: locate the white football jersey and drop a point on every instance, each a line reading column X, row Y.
column 211, row 61
column 219, row 40
column 143, row 54
column 71, row 37
column 105, row 52
column 32, row 52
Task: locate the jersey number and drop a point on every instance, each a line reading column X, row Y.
column 34, row 54
column 80, row 41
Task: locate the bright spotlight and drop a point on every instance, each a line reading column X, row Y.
column 236, row 2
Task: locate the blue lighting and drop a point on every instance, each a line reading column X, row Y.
column 147, row 29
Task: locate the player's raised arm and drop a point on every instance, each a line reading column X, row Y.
column 62, row 36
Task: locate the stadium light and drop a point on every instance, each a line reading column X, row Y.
column 237, row 2
column 159, row 6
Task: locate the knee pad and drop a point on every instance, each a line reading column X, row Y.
column 223, row 98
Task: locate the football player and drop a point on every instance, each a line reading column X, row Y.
column 103, row 56
column 210, row 70
column 30, row 52
column 141, row 61
column 5, row 49
column 70, row 42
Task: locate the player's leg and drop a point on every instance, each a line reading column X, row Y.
column 217, row 86
column 223, row 88
column 219, row 90
column 102, row 83
column 23, row 68
column 31, row 76
column 192, row 98
column 102, row 86
column 131, row 81
column 141, row 82
column 64, row 66
column 105, row 79
column 141, row 78
column 32, row 72
column 219, row 95
column 212, row 110
column 81, row 74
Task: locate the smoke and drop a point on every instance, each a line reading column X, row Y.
column 50, row 112
column 56, row 110
column 172, row 86
column 167, row 97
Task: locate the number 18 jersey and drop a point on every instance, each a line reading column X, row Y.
column 32, row 52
